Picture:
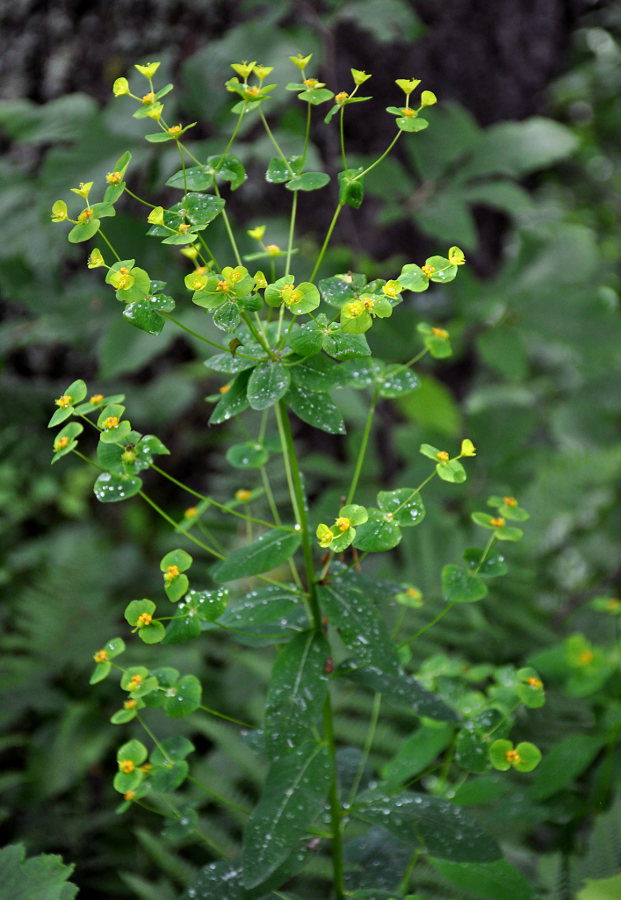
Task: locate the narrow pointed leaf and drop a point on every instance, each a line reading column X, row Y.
column 293, row 795
column 269, row 551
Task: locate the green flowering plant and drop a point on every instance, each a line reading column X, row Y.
column 283, row 343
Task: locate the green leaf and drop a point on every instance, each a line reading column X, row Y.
column 309, row 181
column 315, row 409
column 360, row 625
column 461, row 586
column 378, row 533
column 351, row 192
column 306, row 340
column 405, row 505
column 318, row 374
column 395, row 381
column 400, row 690
column 234, row 401
column 475, row 738
column 258, row 607
column 268, row 382
column 563, row 763
column 339, row 289
column 341, row 346
column 224, row 880
column 296, row 692
column 42, row 877
column 249, row 455
column 182, row 628
column 445, row 830
column 292, row 797
column 179, row 558
column 417, row 753
column 412, row 278
column 268, row 552
column 142, row 315
column 601, row 888
column 451, row 471
column 412, row 123
column 183, row 698
column 84, row 231
column 169, row 778
column 487, row 880
column 277, row 171
column 493, row 566
column 110, row 488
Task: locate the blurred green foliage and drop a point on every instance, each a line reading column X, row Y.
column 534, row 381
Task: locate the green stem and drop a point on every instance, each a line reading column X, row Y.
column 289, row 454
column 219, row 715
column 335, row 806
column 405, row 881
column 341, row 117
column 191, row 331
column 375, row 711
column 324, row 247
column 153, row 738
column 178, row 528
column 109, row 244
column 218, row 797
column 486, row 552
column 363, row 449
column 294, row 206
column 220, row 506
column 275, row 143
column 383, row 156
column 230, row 143
column 428, row 626
column 227, row 225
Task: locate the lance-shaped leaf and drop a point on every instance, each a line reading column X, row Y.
column 403, row 691
column 267, row 552
column 315, row 409
column 293, row 795
column 487, row 880
column 360, row 626
column 443, row 828
column 269, row 381
column 296, row 692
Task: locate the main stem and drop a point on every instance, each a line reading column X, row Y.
column 288, row 448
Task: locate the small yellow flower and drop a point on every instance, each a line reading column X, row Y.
column 222, row 285
column 359, row 76
column 512, row 756
column 190, row 512
column 252, row 91
column 59, row 211
column 101, row 656
column 172, row 572
column 428, row 98
column 301, row 61
column 225, row 388
column 243, row 69
column 135, row 682
column 146, row 768
column 198, row 282
column 61, row 442
column 243, row 494
column 95, row 259
column 262, row 71
column 428, row 270
column 155, row 111
column 498, row 522
column 256, row 233
column 325, row 535
column 290, row 295
column 312, row 83
column 114, row 178
column 148, row 98
column 149, row 69
column 86, row 215
column 272, row 249
column 342, row 523
column 191, row 252
column 407, row 85
column 84, row 189
column 353, row 309
column 442, row 334
column 126, row 766
column 341, row 97
column 144, row 619
column 585, row 657
column 120, row 87
column 467, row 447
column 392, row 288
column 96, row 398
column 260, row 281
column 509, row 501
column 129, row 795
column 535, row 683
column 456, row 257
column 613, row 604
column 64, row 401
column 130, row 704
column 110, row 422
column 443, row 456
column 174, row 129
column 407, row 112
column 183, row 227
column 156, row 216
